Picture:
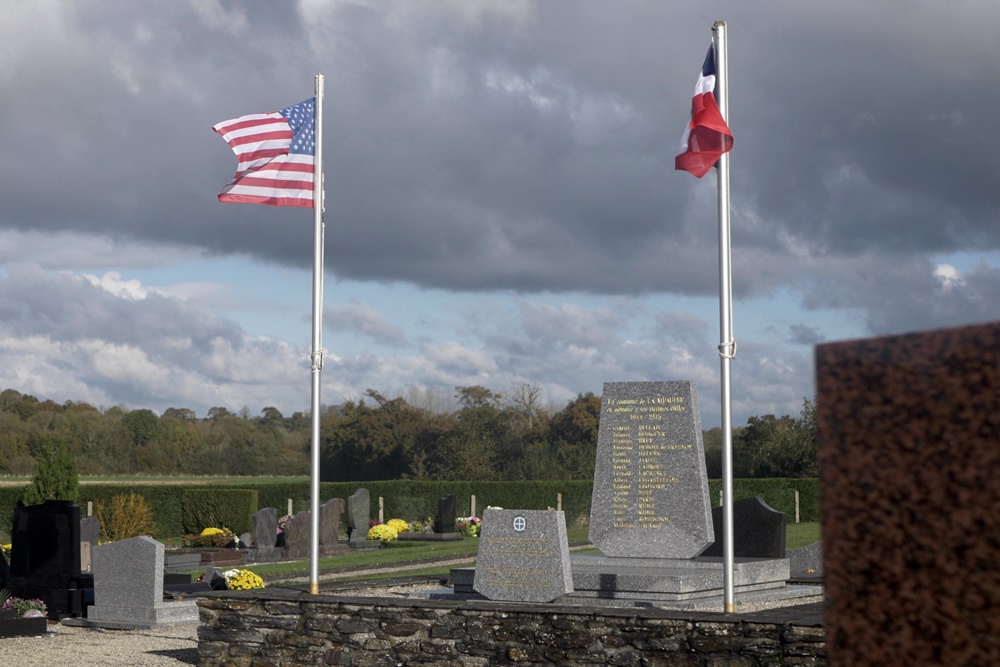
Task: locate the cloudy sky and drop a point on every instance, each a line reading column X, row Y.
column 502, row 206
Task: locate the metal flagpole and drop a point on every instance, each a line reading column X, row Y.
column 727, row 344
column 317, row 338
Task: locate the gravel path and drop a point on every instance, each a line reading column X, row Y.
column 167, row 646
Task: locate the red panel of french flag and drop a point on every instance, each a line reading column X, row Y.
column 707, row 136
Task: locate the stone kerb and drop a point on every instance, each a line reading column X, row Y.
column 523, row 556
column 650, row 497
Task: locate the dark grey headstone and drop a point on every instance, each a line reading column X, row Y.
column 90, row 530
column 758, row 530
column 444, row 522
column 329, row 521
column 523, row 556
column 298, row 532
column 265, row 528
column 358, row 515
column 650, row 497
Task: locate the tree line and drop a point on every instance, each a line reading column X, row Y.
column 475, row 434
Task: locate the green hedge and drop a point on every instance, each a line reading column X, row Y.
column 229, row 508
column 404, row 499
column 779, row 493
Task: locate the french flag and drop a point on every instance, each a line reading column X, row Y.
column 707, row 136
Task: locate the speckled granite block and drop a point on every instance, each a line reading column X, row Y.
column 650, row 497
column 909, row 430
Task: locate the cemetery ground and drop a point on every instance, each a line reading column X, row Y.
column 386, row 571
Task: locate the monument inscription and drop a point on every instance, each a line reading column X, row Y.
column 650, row 497
column 523, row 556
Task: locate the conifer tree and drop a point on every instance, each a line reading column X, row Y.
column 55, row 477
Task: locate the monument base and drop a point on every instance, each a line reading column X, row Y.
column 655, row 582
column 666, row 579
column 263, row 554
column 430, row 537
column 364, row 545
column 138, row 618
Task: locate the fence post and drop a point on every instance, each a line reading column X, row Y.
column 472, row 505
column 796, row 505
column 559, row 501
column 90, row 508
column 381, row 509
column 289, row 507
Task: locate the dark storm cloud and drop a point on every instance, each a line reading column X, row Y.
column 528, row 146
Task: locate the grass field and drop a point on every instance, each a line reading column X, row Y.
column 400, row 554
column 13, row 480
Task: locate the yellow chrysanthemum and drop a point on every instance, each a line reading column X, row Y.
column 242, row 580
column 398, row 525
column 383, row 533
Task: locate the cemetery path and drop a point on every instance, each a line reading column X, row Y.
column 167, row 646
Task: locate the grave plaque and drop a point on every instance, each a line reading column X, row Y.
column 650, row 497
column 523, row 556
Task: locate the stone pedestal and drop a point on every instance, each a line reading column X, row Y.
column 656, row 579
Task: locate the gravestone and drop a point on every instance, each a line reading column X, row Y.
column 358, row 515
column 264, row 536
column 910, row 494
column 298, row 533
column 444, row 522
column 650, row 497
column 90, row 537
column 758, row 530
column 45, row 557
column 329, row 521
column 128, row 588
column 90, row 530
column 523, row 556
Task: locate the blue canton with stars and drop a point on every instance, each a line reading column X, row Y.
column 302, row 120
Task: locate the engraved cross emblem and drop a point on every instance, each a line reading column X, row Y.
column 520, row 524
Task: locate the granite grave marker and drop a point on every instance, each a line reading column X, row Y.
column 329, row 521
column 297, row 535
column 128, row 587
column 523, row 556
column 445, row 520
column 45, row 557
column 908, row 429
column 758, row 530
column 650, row 497
column 358, row 515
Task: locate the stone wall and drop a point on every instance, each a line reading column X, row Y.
column 244, row 629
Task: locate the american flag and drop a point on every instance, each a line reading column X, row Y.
column 275, row 155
